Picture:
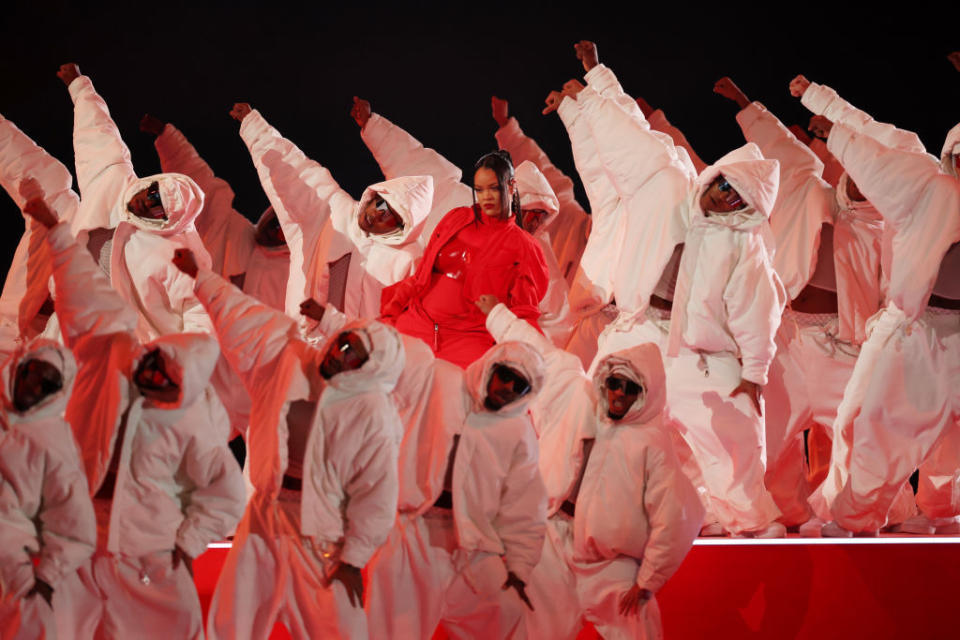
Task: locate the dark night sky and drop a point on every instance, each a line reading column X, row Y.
column 432, row 70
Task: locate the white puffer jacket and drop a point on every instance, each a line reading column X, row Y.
column 728, row 297
column 319, row 221
column 27, row 284
column 350, row 461
column 140, row 267
column 227, row 234
column 44, row 501
column 634, row 499
column 177, row 482
column 805, row 202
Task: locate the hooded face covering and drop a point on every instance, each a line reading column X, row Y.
column 519, row 356
column 951, row 148
column 52, row 403
column 753, row 177
column 410, row 197
column 385, row 359
column 180, row 197
column 188, row 361
column 643, row 365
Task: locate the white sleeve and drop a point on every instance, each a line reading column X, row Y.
column 658, row 122
column 86, row 303
column 251, row 334
column 675, row 515
column 372, row 488
column 754, row 299
column 521, row 521
column 103, row 161
column 68, row 526
column 824, row 101
column 215, row 494
column 226, row 234
column 600, row 191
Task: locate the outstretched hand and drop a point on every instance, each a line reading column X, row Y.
column 753, row 391
column 572, row 88
column 240, row 111
column 312, row 309
column 799, row 86
column 360, row 111
column 184, row 260
column 68, row 73
column 521, row 587
column 37, row 209
column 352, row 580
column 729, row 90
column 500, row 109
column 587, row 54
column 152, row 124
column 553, row 100
column 633, row 599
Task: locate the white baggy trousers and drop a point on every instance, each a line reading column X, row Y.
column 420, row 578
column 900, row 411
column 565, row 592
column 274, row 573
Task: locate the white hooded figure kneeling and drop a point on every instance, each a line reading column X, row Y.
column 470, row 523
column 622, row 513
column 45, row 509
column 164, row 484
column 322, row 445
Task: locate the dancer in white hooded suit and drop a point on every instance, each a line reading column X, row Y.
column 44, row 502
column 901, row 408
column 727, row 300
column 164, row 485
column 622, row 513
column 342, row 251
column 323, row 460
column 470, row 525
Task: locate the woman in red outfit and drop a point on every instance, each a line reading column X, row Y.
column 473, row 251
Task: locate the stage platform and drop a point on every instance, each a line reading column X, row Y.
column 810, row 588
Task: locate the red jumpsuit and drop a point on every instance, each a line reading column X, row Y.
column 469, row 254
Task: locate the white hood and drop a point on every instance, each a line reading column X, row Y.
column 182, row 201
column 54, row 404
column 519, row 356
column 642, row 364
column 383, row 367
column 951, row 147
column 754, row 177
column 535, row 193
column 410, row 196
column 189, row 360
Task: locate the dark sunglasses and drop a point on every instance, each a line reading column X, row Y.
column 723, row 185
column 153, row 196
column 385, row 211
column 615, row 384
column 507, row 375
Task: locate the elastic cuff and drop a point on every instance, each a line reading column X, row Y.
column 78, row 85
column 840, row 136
column 601, row 78
column 749, row 115
column 498, row 320
column 189, row 540
column 816, row 98
column 355, row 554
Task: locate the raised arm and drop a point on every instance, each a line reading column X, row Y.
column 102, row 159
column 824, row 101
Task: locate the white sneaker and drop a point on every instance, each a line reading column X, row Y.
column 918, row 525
column 712, row 530
column 811, row 528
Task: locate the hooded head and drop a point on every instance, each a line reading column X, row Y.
column 385, row 358
column 539, row 206
column 268, row 232
column 188, row 360
column 950, row 154
column 393, row 212
column 642, row 365
column 37, row 380
column 179, row 196
column 754, row 178
column 518, row 357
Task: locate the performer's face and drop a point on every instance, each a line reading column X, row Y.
column 146, row 203
column 505, row 385
column 531, row 219
column 491, row 195
column 152, row 379
column 721, row 197
column 33, row 381
column 346, row 353
column 621, row 394
column 269, row 232
column 378, row 217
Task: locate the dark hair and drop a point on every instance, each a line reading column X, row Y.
column 502, row 165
